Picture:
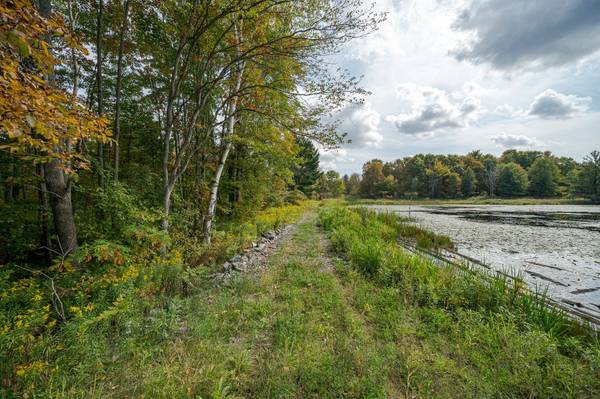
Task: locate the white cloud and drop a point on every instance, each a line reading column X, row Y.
column 414, row 45
column 506, row 110
column 361, row 123
column 514, row 141
column 330, row 159
column 553, row 105
column 431, row 110
column 530, row 34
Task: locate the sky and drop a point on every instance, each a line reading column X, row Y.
column 451, row 76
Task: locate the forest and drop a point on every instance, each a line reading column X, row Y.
column 147, row 144
column 190, row 114
column 515, row 173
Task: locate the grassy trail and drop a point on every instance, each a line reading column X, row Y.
column 288, row 331
column 311, row 326
column 319, row 345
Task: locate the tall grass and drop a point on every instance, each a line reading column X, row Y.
column 369, row 240
column 121, row 298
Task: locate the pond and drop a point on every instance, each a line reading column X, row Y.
column 553, row 247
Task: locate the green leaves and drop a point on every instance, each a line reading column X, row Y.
column 18, row 40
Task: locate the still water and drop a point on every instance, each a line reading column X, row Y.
column 551, row 246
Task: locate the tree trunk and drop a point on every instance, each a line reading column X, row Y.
column 9, row 188
column 57, row 184
column 214, row 191
column 74, row 62
column 44, row 213
column 166, row 200
column 99, row 20
column 167, row 184
column 118, row 88
column 62, row 209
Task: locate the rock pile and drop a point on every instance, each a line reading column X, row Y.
column 253, row 258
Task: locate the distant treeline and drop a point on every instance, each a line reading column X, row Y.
column 515, row 173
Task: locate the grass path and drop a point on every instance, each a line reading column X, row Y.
column 310, row 326
column 287, row 331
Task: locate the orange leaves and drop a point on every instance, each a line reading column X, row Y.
column 40, row 121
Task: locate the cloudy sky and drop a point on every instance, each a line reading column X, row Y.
column 450, row 76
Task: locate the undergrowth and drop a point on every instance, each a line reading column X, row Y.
column 376, row 322
column 56, row 320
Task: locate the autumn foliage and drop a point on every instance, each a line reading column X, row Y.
column 40, row 121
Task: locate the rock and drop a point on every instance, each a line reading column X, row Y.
column 221, row 276
column 269, row 235
column 236, row 259
column 241, row 267
column 227, row 266
column 260, row 247
column 184, row 329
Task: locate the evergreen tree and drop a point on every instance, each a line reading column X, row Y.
column 307, row 171
column 385, row 187
column 451, row 185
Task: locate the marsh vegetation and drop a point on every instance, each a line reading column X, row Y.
column 552, row 247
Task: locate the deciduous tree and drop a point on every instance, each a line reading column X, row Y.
column 543, row 177
column 512, row 180
column 43, row 123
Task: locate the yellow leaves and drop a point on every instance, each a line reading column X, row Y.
column 34, row 114
column 31, row 120
column 12, row 129
column 18, row 40
column 81, row 310
column 32, row 368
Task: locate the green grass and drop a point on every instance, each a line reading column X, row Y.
column 288, row 332
column 456, row 333
column 381, row 324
